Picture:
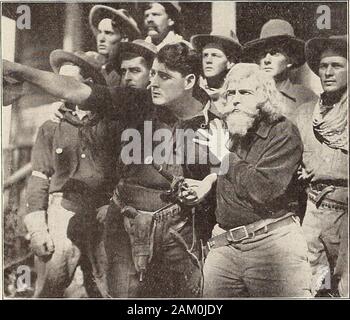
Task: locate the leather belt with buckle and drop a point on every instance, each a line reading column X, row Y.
column 241, row 233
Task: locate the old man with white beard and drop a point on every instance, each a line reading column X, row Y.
column 257, row 247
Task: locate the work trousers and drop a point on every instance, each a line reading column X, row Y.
column 172, row 272
column 77, row 240
column 273, row 264
column 322, row 227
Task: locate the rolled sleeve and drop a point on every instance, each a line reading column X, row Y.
column 38, row 184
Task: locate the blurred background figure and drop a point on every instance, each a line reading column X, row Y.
column 111, row 27
column 162, row 21
column 219, row 55
column 277, row 52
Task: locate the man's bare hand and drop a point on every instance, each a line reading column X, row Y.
column 216, row 138
column 57, row 115
column 305, row 174
column 11, row 92
column 197, row 190
column 102, row 214
column 9, row 71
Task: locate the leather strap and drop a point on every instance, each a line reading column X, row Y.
column 324, row 202
column 241, row 233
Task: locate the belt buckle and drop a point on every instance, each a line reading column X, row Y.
column 230, row 237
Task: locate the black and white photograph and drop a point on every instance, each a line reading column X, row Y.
column 175, row 150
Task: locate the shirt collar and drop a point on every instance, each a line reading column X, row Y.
column 205, row 112
column 212, row 92
column 81, row 114
column 287, row 88
column 169, row 38
column 263, row 129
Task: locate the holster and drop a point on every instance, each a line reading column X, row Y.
column 140, row 230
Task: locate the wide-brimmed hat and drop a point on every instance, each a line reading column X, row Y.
column 140, row 47
column 315, row 46
column 173, row 8
column 277, row 33
column 91, row 62
column 120, row 18
column 230, row 45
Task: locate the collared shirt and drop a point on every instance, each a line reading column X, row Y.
column 261, row 174
column 293, row 96
column 77, row 155
column 135, row 109
column 156, row 134
column 171, row 37
column 326, row 162
column 215, row 95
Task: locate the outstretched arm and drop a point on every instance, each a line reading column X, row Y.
column 62, row 87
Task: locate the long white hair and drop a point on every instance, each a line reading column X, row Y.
column 270, row 102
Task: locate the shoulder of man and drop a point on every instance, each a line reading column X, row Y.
column 305, row 94
column 304, row 114
column 48, row 126
column 285, row 128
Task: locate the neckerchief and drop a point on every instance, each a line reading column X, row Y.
column 171, row 37
column 86, row 130
column 330, row 123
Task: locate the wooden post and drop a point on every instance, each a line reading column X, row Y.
column 73, row 32
column 223, row 17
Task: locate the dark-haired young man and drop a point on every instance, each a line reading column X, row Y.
column 172, row 107
column 112, row 27
column 219, row 54
column 136, row 61
column 324, row 128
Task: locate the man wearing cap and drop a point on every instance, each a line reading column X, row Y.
column 136, row 61
column 219, row 54
column 73, row 174
column 166, row 263
column 162, row 21
column 278, row 52
column 111, row 27
column 324, row 130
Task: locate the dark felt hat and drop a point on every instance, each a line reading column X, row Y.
column 314, row 48
column 91, row 62
column 120, row 18
column 172, row 8
column 277, row 33
column 230, row 45
column 140, row 47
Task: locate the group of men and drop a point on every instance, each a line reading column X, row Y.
column 213, row 206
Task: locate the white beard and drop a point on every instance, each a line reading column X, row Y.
column 238, row 123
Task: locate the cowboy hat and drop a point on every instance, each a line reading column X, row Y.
column 230, row 45
column 173, row 9
column 277, row 33
column 140, row 47
column 91, row 62
column 120, row 18
column 314, row 48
